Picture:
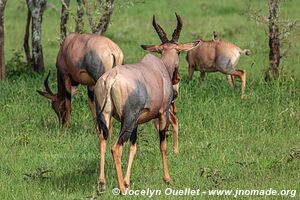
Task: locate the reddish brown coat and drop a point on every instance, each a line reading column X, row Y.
column 82, row 59
column 216, row 56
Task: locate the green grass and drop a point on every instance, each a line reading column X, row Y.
column 225, row 143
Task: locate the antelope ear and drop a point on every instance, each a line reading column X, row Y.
column 47, row 95
column 152, row 48
column 188, row 46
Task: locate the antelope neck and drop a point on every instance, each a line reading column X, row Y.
column 170, row 61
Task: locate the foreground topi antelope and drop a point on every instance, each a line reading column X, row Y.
column 82, row 59
column 135, row 94
column 217, row 56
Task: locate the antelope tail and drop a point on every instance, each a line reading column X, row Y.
column 114, row 60
column 246, row 52
column 99, row 110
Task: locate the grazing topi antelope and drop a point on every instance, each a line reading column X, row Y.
column 137, row 93
column 82, row 59
column 217, row 56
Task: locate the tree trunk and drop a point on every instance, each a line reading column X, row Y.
column 274, row 41
column 63, row 19
column 89, row 16
column 37, row 8
column 105, row 19
column 26, row 37
column 101, row 27
column 2, row 60
column 79, row 17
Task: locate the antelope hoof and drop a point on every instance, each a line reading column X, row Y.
column 122, row 190
column 67, row 125
column 126, row 185
column 167, row 180
column 101, row 188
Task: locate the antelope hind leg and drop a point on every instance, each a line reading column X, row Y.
column 131, row 154
column 163, row 144
column 102, row 150
column 91, row 102
column 230, row 79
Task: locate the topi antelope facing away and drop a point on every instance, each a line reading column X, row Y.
column 217, row 56
column 82, row 59
column 134, row 94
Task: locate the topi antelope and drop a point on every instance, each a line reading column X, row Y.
column 137, row 93
column 82, row 59
column 217, row 56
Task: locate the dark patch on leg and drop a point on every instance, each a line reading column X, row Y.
column 100, row 121
column 167, row 123
column 92, row 64
column 124, row 136
column 133, row 136
column 162, row 135
column 167, row 116
column 68, row 95
column 91, row 95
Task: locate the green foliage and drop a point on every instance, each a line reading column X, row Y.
column 17, row 66
column 224, row 143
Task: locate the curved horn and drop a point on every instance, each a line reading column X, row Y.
column 177, row 31
column 47, row 85
column 161, row 33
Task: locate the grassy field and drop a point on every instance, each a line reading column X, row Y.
column 225, row 143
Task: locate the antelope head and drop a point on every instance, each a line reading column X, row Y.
column 170, row 47
column 57, row 103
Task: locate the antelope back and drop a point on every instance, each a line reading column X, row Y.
column 215, row 55
column 84, row 55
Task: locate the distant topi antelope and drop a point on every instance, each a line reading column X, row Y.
column 82, row 59
column 217, row 56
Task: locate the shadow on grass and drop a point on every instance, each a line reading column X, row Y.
column 83, row 178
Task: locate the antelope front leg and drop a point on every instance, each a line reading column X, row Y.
column 132, row 151
column 91, row 102
column 116, row 151
column 163, row 144
column 173, row 108
column 174, row 123
column 68, row 91
column 102, row 150
column 202, row 76
column 191, row 72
